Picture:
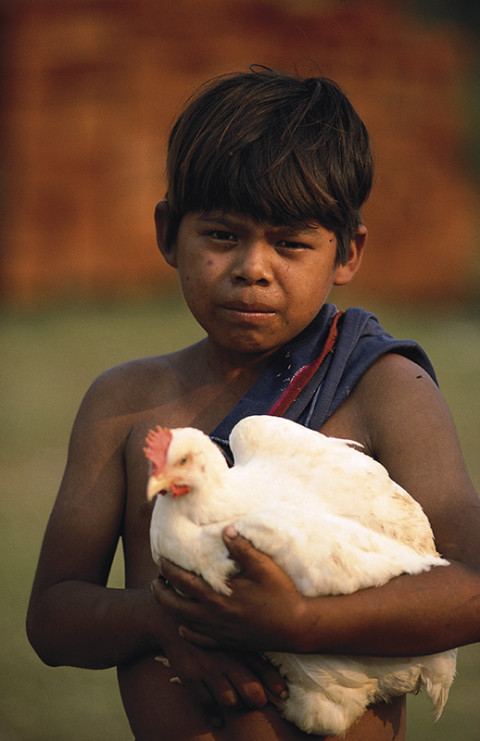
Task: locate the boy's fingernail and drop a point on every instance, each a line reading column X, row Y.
column 230, row 532
column 284, row 695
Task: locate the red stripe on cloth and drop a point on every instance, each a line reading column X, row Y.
column 303, row 375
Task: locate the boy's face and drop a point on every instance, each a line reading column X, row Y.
column 253, row 287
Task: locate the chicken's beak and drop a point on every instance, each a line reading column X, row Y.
column 157, row 485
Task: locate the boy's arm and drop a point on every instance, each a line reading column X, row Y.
column 73, row 618
column 410, row 615
column 405, row 424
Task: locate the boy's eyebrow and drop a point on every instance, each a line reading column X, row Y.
column 231, row 220
column 216, row 218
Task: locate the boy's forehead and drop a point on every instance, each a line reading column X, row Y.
column 232, row 218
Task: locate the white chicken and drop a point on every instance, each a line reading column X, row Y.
column 329, row 515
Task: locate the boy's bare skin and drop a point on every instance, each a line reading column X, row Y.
column 396, row 412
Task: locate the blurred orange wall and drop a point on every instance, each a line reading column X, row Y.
column 91, row 89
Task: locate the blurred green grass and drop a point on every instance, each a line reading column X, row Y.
column 48, row 359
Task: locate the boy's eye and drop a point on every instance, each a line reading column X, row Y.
column 222, row 236
column 286, row 243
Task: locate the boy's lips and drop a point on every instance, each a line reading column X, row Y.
column 255, row 307
column 248, row 310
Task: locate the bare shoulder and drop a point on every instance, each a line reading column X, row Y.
column 394, row 396
column 401, row 409
column 396, row 388
column 88, row 513
column 124, row 387
column 111, row 408
column 405, row 423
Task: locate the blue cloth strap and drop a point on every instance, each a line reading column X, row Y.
column 360, row 342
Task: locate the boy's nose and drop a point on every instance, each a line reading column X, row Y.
column 252, row 265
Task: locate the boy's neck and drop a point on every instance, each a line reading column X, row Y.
column 204, row 365
column 213, row 382
column 227, row 366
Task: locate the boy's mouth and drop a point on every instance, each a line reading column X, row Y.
column 249, row 314
column 246, row 308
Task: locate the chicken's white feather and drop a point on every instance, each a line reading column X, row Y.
column 332, row 518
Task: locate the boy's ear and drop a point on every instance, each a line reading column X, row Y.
column 161, row 225
column 345, row 273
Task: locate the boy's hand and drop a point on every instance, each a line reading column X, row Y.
column 262, row 613
column 221, row 679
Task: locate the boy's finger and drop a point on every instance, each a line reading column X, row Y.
column 161, row 590
column 183, row 581
column 185, row 610
column 198, row 639
column 242, row 550
column 268, row 674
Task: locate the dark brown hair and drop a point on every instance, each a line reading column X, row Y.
column 278, row 148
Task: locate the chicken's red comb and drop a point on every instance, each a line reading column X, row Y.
column 156, row 446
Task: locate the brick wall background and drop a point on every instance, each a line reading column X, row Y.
column 90, row 90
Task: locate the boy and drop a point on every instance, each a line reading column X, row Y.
column 267, row 175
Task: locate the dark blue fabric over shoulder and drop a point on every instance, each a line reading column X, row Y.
column 361, row 341
column 276, row 378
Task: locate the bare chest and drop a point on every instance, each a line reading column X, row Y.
column 194, row 410
column 180, row 405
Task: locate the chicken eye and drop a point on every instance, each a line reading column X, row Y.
column 183, row 460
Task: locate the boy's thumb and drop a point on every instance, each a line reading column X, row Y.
column 240, row 549
column 229, row 533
